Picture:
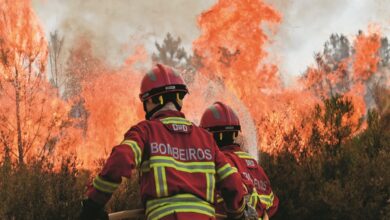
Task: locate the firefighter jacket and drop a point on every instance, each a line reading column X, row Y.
column 260, row 195
column 180, row 166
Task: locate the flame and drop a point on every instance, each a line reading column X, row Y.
column 101, row 102
column 366, row 57
column 231, row 47
column 113, row 105
column 33, row 117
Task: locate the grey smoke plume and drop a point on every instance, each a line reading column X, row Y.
column 115, row 27
column 307, row 24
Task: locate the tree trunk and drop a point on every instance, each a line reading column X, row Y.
column 18, row 123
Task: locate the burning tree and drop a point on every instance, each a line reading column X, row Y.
column 55, row 55
column 32, row 117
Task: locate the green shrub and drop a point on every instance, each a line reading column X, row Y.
column 349, row 179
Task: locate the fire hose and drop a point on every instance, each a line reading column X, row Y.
column 139, row 213
column 250, row 213
column 127, row 214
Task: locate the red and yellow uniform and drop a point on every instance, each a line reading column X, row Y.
column 180, row 167
column 256, row 181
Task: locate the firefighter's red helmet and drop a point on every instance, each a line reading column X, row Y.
column 219, row 118
column 161, row 80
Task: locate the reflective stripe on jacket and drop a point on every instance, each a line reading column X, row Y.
column 254, row 178
column 176, row 158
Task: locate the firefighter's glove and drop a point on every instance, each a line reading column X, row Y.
column 92, row 211
column 250, row 213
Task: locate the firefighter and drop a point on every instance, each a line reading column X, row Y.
column 223, row 123
column 180, row 164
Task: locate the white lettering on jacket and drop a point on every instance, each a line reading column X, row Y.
column 260, row 184
column 183, row 154
column 179, row 127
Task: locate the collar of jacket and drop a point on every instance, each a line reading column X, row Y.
column 232, row 148
column 167, row 113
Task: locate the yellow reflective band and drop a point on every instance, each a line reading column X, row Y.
column 104, row 185
column 179, row 198
column 220, row 216
column 156, row 182
column 164, row 181
column 210, row 179
column 268, row 200
column 158, row 208
column 267, row 204
column 243, row 155
column 145, row 166
column 160, row 182
column 254, row 198
column 177, row 208
column 189, row 167
column 242, row 207
column 219, row 200
column 225, row 171
column 175, row 120
column 136, row 150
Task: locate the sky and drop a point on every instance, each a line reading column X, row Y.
column 115, row 27
column 307, row 24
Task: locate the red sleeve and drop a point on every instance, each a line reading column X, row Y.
column 122, row 161
column 229, row 183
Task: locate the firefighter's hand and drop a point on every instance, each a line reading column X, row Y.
column 92, row 211
column 265, row 216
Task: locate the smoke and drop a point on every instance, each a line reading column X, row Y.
column 204, row 92
column 307, row 24
column 116, row 27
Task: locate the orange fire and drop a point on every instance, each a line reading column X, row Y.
column 231, row 46
column 113, row 105
column 33, row 119
column 103, row 102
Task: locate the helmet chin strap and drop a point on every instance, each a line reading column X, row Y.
column 149, row 114
column 224, row 139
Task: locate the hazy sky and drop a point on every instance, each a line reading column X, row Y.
column 307, row 24
column 116, row 26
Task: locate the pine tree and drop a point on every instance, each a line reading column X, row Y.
column 170, row 52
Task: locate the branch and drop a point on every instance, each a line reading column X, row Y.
column 3, row 139
column 37, row 131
